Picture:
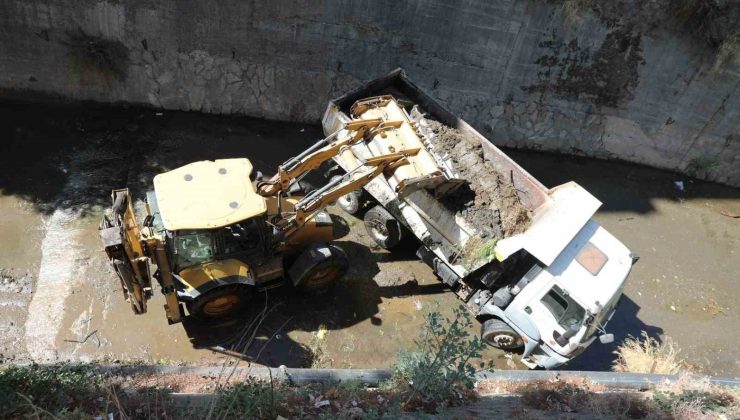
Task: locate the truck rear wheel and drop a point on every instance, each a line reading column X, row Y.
column 324, row 273
column 383, row 228
column 500, row 335
column 221, row 302
column 351, row 202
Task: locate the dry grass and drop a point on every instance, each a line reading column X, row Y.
column 694, row 397
column 689, row 397
column 568, row 396
column 648, row 355
column 318, row 357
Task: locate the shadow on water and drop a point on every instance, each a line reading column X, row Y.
column 87, row 150
column 621, row 186
column 73, row 156
column 261, row 335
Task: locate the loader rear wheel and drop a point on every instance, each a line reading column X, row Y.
column 324, row 273
column 383, row 228
column 220, row 302
column 500, row 335
column 350, row 202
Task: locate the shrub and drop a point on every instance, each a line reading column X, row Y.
column 647, row 355
column 53, row 389
column 439, row 370
column 693, row 404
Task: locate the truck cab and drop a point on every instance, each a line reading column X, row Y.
column 564, row 306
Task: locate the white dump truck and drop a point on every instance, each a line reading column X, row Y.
column 548, row 285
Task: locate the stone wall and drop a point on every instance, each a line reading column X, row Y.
column 609, row 83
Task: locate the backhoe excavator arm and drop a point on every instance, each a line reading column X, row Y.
column 121, row 237
column 130, row 249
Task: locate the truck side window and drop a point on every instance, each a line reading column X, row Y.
column 565, row 310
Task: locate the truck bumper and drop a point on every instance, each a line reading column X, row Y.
column 545, row 357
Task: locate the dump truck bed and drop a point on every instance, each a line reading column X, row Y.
column 556, row 214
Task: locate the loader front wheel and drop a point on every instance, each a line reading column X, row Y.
column 220, row 302
column 383, row 228
column 323, row 274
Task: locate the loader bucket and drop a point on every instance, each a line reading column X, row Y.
column 397, row 132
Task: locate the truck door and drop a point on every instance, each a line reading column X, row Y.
column 556, row 313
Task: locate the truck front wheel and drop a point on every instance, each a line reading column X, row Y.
column 383, row 228
column 500, row 335
column 352, row 202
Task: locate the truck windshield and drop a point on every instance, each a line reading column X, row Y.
column 193, row 248
column 566, row 311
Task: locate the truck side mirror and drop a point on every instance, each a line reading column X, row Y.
column 606, row 338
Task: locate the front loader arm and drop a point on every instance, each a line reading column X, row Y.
column 315, row 155
column 364, row 172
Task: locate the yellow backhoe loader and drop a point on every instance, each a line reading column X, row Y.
column 218, row 234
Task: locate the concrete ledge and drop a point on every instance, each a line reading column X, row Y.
column 372, row 377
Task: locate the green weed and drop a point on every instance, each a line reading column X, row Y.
column 439, row 370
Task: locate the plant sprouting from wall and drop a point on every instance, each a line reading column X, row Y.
column 107, row 56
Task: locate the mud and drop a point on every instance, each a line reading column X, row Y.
column 487, row 201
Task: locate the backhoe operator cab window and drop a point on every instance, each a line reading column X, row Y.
column 193, row 248
column 564, row 309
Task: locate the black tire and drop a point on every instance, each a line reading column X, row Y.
column 221, row 302
column 499, row 334
column 383, row 228
column 351, row 202
column 325, row 273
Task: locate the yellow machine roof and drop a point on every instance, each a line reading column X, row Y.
column 207, row 194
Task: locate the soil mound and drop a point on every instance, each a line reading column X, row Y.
column 488, row 201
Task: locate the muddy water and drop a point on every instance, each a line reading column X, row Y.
column 21, row 230
column 59, row 165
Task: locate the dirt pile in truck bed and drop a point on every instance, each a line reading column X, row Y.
column 488, row 201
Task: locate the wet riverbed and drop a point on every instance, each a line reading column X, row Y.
column 58, row 165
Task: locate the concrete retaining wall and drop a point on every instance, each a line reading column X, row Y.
column 608, row 86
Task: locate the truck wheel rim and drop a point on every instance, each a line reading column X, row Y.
column 380, row 230
column 221, row 305
column 504, row 340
